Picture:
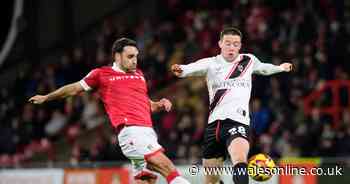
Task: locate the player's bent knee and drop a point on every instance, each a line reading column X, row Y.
column 238, row 150
column 238, row 145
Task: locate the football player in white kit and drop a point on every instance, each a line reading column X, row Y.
column 229, row 80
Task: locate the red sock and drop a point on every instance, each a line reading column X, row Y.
column 172, row 176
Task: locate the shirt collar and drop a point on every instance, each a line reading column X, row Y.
column 237, row 59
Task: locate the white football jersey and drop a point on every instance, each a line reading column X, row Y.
column 229, row 84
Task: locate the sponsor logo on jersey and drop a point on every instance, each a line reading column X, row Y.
column 127, row 77
column 231, row 83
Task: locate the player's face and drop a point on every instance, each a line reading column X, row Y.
column 230, row 46
column 128, row 59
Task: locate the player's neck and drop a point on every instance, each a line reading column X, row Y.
column 116, row 67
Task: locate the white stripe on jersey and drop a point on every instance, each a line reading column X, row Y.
column 229, row 84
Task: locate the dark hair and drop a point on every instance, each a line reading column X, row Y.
column 119, row 45
column 230, row 31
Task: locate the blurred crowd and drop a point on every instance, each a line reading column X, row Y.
column 313, row 35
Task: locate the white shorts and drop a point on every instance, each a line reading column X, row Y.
column 138, row 144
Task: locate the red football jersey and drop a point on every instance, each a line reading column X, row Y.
column 124, row 95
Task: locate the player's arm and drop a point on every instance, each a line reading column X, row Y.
column 63, row 92
column 163, row 104
column 269, row 69
column 198, row 68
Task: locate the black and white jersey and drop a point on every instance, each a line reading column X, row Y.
column 229, row 84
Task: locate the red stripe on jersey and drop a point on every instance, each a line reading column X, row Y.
column 217, row 131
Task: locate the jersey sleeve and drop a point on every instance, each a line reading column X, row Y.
column 198, row 68
column 91, row 80
column 261, row 68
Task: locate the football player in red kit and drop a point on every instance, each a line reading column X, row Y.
column 123, row 91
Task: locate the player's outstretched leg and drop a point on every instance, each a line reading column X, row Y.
column 147, row 156
column 160, row 163
column 238, row 150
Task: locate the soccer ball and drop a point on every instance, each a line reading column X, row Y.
column 260, row 167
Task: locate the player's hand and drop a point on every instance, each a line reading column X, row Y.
column 176, row 69
column 38, row 99
column 287, row 67
column 166, row 104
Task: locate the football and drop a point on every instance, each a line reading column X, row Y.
column 260, row 167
